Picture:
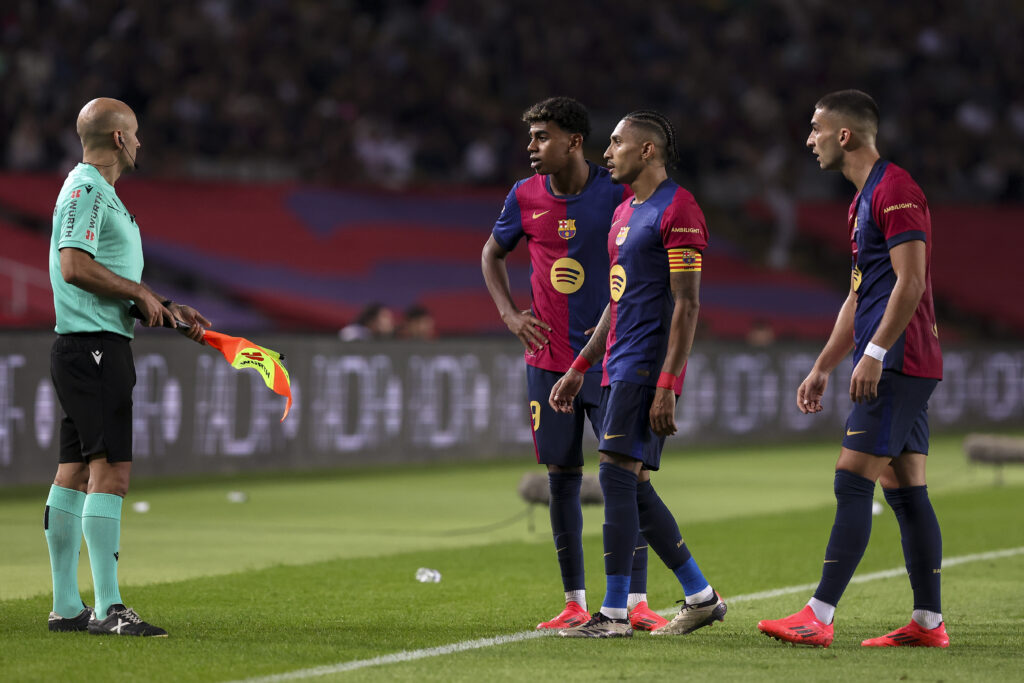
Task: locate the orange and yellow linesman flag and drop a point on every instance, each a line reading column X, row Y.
column 242, row 353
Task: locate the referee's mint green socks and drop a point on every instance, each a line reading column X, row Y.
column 101, row 523
column 62, row 525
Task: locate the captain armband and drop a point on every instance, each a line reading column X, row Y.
column 684, row 260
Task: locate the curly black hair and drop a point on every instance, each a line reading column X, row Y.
column 570, row 115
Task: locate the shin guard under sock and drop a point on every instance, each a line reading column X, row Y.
column 567, row 527
column 621, row 528
column 922, row 544
column 62, row 526
column 850, row 533
column 101, row 524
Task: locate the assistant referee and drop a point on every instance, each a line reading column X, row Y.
column 96, row 274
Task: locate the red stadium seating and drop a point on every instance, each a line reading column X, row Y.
column 26, row 300
column 977, row 275
column 311, row 258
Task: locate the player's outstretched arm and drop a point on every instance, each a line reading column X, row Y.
column 839, row 344
column 686, row 294
column 529, row 329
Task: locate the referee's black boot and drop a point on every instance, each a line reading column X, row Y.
column 123, row 621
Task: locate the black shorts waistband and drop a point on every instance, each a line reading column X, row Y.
column 106, row 336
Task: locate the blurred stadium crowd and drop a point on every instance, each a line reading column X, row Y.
column 339, row 104
column 396, row 93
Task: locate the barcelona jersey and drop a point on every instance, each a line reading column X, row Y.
column 648, row 241
column 565, row 235
column 889, row 210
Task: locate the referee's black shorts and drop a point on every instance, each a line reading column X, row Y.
column 94, row 374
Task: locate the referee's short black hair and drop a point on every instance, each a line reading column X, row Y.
column 570, row 115
column 856, row 104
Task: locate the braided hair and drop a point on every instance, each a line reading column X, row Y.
column 662, row 129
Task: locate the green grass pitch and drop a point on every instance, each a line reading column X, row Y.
column 317, row 570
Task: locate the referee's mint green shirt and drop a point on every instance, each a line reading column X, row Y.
column 90, row 217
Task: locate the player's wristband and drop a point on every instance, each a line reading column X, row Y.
column 667, row 380
column 580, row 365
column 875, row 351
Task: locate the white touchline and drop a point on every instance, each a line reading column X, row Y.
column 874, row 576
column 411, row 655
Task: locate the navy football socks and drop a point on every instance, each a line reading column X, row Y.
column 662, row 532
column 621, row 528
column 850, row 533
column 922, row 544
column 567, row 527
column 638, row 579
column 659, row 527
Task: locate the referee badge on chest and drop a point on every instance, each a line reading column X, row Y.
column 567, row 228
column 621, row 237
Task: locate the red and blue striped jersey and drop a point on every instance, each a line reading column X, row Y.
column 565, row 235
column 648, row 241
column 889, row 210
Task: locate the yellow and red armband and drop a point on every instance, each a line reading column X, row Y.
column 684, row 260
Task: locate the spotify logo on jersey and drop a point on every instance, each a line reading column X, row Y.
column 617, row 281
column 566, row 275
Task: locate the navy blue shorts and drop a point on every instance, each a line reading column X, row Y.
column 894, row 423
column 627, row 423
column 558, row 437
